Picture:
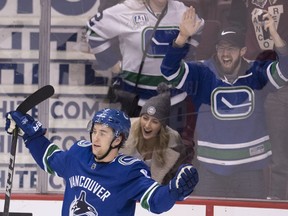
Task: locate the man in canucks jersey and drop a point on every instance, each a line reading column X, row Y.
column 229, row 92
column 99, row 180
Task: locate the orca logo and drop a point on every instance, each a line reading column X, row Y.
column 80, row 207
column 232, row 103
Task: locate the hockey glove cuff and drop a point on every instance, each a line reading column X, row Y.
column 28, row 127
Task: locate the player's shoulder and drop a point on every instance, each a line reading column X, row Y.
column 130, row 163
column 126, row 160
column 80, row 150
column 132, row 167
column 81, row 146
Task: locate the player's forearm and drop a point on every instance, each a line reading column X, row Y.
column 161, row 200
column 37, row 148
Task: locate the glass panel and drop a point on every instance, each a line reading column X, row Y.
column 81, row 82
column 19, row 47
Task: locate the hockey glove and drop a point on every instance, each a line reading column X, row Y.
column 28, row 127
column 182, row 185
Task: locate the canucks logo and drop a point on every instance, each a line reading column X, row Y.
column 84, row 143
column 231, row 103
column 127, row 160
column 80, row 207
column 160, row 41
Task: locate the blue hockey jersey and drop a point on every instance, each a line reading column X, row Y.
column 100, row 189
column 231, row 128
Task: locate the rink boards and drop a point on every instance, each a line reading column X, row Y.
column 47, row 205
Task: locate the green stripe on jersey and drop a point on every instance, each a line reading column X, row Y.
column 50, row 150
column 275, row 75
column 144, row 202
column 234, row 154
column 145, row 80
column 181, row 72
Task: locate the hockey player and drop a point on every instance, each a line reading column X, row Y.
column 233, row 143
column 99, row 180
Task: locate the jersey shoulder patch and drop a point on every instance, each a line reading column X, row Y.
column 126, row 160
column 134, row 167
column 83, row 143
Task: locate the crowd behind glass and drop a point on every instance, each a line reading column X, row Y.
column 88, row 91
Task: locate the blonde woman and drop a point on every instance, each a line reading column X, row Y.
column 154, row 142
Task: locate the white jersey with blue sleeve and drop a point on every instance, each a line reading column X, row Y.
column 134, row 28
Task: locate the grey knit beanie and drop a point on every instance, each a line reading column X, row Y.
column 159, row 106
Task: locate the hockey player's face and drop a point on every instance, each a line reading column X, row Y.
column 229, row 57
column 150, row 126
column 102, row 137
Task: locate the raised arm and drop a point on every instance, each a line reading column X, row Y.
column 33, row 135
column 278, row 71
column 188, row 27
column 269, row 24
column 172, row 66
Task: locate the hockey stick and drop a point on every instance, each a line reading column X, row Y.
column 31, row 101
